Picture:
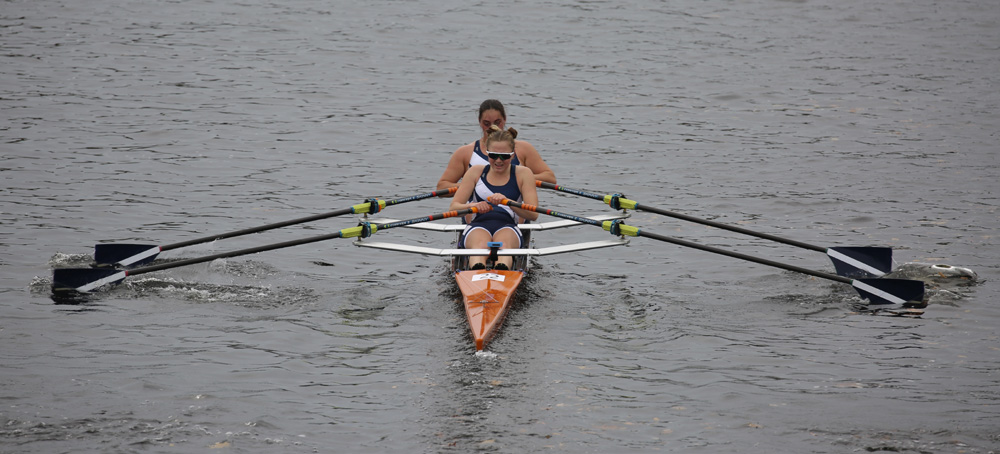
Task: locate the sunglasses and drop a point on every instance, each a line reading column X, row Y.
column 500, row 156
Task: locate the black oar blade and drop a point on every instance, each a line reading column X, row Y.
column 83, row 280
column 125, row 254
column 890, row 291
column 861, row 261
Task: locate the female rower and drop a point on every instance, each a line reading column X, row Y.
column 484, row 186
column 492, row 113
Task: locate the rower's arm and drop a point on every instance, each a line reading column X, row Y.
column 460, row 200
column 457, row 167
column 531, row 159
column 547, row 176
column 529, row 194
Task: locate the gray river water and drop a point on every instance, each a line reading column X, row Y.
column 848, row 123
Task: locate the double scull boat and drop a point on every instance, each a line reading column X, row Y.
column 487, row 293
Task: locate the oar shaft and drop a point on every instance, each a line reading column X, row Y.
column 345, row 233
column 439, row 193
column 580, row 192
column 433, row 217
column 222, row 255
column 732, row 228
column 356, row 209
column 633, row 231
column 876, row 291
column 631, row 204
column 763, row 261
column 529, row 207
column 262, row 228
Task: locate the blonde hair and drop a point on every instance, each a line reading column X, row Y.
column 500, row 135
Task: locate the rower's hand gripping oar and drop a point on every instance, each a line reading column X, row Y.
column 126, row 255
column 83, row 280
column 878, row 291
column 848, row 261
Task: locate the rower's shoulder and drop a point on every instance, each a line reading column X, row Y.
column 523, row 146
column 524, row 171
column 462, row 155
column 520, row 142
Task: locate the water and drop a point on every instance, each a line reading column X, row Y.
column 853, row 123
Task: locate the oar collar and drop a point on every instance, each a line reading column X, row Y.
column 614, row 201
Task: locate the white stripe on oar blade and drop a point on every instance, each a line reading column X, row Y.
column 853, row 262
column 103, row 281
column 140, row 256
column 877, row 292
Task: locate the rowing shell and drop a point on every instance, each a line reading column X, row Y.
column 487, row 294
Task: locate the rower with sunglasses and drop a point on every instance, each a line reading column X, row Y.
column 484, row 187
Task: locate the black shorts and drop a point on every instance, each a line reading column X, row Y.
column 491, row 226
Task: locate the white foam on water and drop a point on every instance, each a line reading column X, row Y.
column 485, row 354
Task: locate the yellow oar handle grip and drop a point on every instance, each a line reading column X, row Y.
column 358, row 231
column 369, row 207
column 616, row 227
column 618, row 202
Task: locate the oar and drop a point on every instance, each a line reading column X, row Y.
column 877, row 291
column 136, row 254
column 83, row 280
column 848, row 261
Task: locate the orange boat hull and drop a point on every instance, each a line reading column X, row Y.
column 487, row 296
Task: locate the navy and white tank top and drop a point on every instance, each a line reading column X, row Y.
column 510, row 189
column 479, row 158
